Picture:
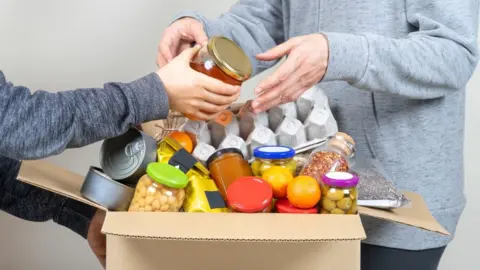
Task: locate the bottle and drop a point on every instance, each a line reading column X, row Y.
column 333, row 156
column 339, row 193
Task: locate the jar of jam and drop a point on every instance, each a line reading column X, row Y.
column 284, row 206
column 333, row 156
column 226, row 166
column 162, row 189
column 224, row 60
column 339, row 193
column 269, row 156
column 250, row 195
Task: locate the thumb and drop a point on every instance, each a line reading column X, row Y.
column 277, row 52
column 189, row 53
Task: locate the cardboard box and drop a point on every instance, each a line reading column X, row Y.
column 185, row 241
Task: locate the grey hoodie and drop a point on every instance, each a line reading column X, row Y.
column 42, row 124
column 396, row 81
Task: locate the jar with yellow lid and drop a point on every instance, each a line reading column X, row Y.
column 223, row 60
column 162, row 189
column 333, row 156
column 269, row 156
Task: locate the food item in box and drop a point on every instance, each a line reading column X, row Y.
column 125, row 158
column 279, row 178
column 202, row 195
column 102, row 190
column 203, row 151
column 233, row 141
column 277, row 114
column 303, row 192
column 225, row 123
column 320, row 123
column 250, row 195
column 284, row 206
column 339, row 193
column 291, row 133
column 162, row 189
column 269, row 156
column 260, row 136
column 198, row 130
column 333, row 156
column 313, row 97
column 183, row 139
column 374, row 190
column 167, row 148
column 226, row 166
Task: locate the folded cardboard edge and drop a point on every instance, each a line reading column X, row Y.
column 53, row 178
column 56, row 179
column 235, row 227
column 418, row 215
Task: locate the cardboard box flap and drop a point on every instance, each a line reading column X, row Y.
column 235, row 227
column 47, row 176
column 418, row 215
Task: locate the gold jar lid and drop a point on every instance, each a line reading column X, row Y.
column 230, row 58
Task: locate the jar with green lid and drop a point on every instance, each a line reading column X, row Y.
column 269, row 156
column 162, row 189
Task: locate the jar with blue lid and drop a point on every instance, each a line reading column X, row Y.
column 269, row 156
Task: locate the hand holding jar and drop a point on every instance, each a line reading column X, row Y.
column 193, row 93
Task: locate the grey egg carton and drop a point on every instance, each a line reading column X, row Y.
column 302, row 125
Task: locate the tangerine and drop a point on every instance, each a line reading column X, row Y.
column 183, row 139
column 304, row 192
column 279, row 178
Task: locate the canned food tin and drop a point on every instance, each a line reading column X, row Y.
column 125, row 158
column 101, row 189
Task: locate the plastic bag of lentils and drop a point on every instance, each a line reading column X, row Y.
column 375, row 190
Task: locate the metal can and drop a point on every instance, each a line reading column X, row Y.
column 125, row 158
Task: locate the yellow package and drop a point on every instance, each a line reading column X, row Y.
column 202, row 195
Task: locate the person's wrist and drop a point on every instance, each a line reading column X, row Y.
column 161, row 73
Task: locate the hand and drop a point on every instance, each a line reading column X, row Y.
column 305, row 66
column 95, row 238
column 179, row 37
column 192, row 93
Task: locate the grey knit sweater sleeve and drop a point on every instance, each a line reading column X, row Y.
column 38, row 125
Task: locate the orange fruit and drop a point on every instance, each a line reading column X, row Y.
column 304, row 192
column 279, row 178
column 183, row 139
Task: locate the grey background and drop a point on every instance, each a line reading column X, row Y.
column 57, row 45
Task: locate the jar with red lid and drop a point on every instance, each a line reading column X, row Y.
column 250, row 195
column 284, row 206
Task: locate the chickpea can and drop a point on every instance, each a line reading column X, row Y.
column 162, row 189
column 339, row 193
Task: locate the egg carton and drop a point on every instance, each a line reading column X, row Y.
column 303, row 125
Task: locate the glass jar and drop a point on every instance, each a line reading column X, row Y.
column 339, row 193
column 250, row 195
column 162, row 189
column 226, row 166
column 269, row 156
column 224, row 60
column 284, row 206
column 333, row 156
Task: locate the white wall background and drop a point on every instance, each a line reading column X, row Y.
column 58, row 45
